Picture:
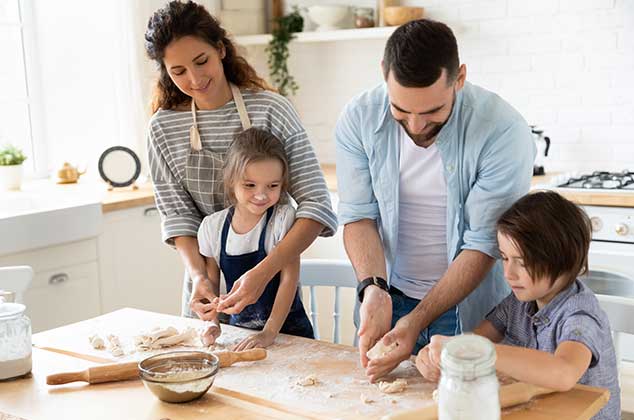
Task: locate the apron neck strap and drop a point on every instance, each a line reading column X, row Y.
column 242, row 109
column 194, row 134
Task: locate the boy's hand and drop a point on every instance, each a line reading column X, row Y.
column 428, row 359
column 202, row 300
column 211, row 333
column 262, row 339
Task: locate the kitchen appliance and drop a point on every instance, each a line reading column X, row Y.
column 611, row 272
column 543, row 146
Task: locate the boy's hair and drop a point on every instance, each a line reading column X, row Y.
column 253, row 145
column 418, row 51
column 551, row 233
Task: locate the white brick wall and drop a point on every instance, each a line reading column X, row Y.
column 566, row 65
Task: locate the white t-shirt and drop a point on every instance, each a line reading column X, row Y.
column 210, row 234
column 421, row 255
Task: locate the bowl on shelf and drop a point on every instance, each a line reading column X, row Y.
column 399, row 15
column 328, row 17
column 179, row 376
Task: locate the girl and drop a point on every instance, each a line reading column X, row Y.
column 206, row 93
column 236, row 239
column 551, row 330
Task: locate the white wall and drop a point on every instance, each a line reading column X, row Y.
column 566, row 65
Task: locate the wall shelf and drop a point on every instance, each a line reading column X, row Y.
column 326, row 36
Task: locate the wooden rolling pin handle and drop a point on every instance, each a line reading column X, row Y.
column 227, row 358
column 67, row 377
column 97, row 374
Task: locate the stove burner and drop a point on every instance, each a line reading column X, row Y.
column 601, row 180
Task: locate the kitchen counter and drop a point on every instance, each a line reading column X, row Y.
column 262, row 389
column 594, row 198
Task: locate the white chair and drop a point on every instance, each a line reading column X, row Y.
column 329, row 273
column 620, row 312
column 16, row 279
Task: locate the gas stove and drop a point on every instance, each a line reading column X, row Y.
column 599, row 180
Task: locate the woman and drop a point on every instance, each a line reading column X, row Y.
column 205, row 95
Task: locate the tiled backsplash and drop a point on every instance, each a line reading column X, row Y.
column 566, row 65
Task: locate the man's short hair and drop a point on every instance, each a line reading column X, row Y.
column 417, row 52
column 551, row 233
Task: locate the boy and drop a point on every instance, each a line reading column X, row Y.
column 550, row 330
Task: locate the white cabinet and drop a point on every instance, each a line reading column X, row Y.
column 66, row 284
column 136, row 268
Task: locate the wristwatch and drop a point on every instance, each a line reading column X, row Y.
column 371, row 281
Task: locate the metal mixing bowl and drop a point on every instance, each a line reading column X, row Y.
column 179, row 376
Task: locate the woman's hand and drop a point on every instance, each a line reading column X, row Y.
column 262, row 339
column 202, row 299
column 428, row 358
column 245, row 291
column 211, row 333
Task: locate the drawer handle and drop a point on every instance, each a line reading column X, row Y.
column 150, row 212
column 58, row 278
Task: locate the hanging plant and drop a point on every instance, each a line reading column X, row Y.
column 278, row 53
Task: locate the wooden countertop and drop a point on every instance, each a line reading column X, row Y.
column 262, row 389
column 127, row 198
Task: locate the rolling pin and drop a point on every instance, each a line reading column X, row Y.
column 124, row 371
column 510, row 395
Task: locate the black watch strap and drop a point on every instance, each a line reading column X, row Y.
column 371, row 281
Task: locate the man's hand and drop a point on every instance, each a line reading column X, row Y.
column 404, row 334
column 376, row 319
column 202, row 299
column 245, row 291
column 428, row 358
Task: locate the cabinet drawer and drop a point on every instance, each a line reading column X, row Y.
column 55, row 256
column 63, row 295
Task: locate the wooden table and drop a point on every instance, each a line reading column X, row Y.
column 263, row 389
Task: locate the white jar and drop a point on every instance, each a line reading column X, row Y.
column 468, row 387
column 15, row 341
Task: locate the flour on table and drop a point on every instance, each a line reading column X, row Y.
column 365, row 399
column 397, row 386
column 96, row 342
column 309, row 380
column 380, row 350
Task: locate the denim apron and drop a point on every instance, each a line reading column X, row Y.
column 255, row 315
column 204, row 180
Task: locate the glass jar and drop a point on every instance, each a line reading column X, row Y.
column 15, row 341
column 468, row 387
column 363, row 17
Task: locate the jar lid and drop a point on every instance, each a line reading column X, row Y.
column 11, row 310
column 468, row 356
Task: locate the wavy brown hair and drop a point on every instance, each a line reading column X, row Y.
column 178, row 19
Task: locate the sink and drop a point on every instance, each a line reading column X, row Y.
column 45, row 214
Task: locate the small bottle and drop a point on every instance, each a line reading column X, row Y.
column 468, row 387
column 363, row 17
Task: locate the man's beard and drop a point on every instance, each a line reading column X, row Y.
column 424, row 139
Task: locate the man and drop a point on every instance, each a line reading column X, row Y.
column 426, row 162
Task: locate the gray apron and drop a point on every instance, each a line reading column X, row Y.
column 204, row 181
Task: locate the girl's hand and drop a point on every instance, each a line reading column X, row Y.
column 202, row 299
column 262, row 339
column 211, row 333
column 428, row 358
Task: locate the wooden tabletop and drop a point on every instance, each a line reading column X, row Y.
column 262, row 389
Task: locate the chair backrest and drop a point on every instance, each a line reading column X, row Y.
column 620, row 312
column 327, row 272
column 16, row 279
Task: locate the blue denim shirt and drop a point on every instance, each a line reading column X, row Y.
column 487, row 152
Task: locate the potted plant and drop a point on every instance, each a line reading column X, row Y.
column 278, row 53
column 11, row 159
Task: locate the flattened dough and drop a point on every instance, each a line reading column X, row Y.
column 397, row 386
